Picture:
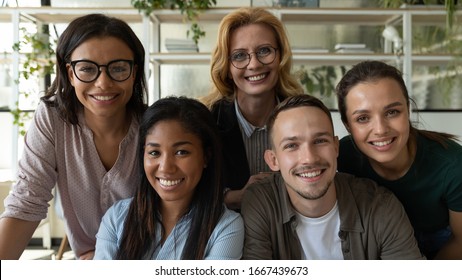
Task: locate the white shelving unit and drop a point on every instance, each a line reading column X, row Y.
column 405, row 18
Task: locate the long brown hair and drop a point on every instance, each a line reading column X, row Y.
column 223, row 86
column 206, row 207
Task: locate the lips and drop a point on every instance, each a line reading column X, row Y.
column 104, row 97
column 257, row 78
column 310, row 174
column 169, row 183
column 382, row 143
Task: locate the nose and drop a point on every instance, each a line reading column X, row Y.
column 308, row 154
column 103, row 80
column 381, row 126
column 167, row 164
column 254, row 62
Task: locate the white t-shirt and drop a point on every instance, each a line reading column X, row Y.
column 319, row 236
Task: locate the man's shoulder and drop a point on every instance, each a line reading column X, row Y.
column 266, row 189
column 268, row 184
column 360, row 187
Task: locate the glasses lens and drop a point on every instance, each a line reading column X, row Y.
column 120, row 70
column 86, row 71
column 266, row 55
column 240, row 59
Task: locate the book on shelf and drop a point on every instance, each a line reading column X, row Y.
column 180, row 45
column 349, row 46
column 355, row 50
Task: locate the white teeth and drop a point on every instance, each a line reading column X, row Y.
column 257, row 78
column 310, row 174
column 381, row 144
column 169, row 183
column 103, row 97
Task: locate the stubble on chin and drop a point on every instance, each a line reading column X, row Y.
column 314, row 192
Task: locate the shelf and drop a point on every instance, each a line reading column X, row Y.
column 329, row 58
column 357, row 16
column 431, row 60
column 65, row 15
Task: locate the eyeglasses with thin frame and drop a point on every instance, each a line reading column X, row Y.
column 88, row 71
column 241, row 59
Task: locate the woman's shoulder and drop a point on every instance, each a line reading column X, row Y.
column 230, row 218
column 450, row 150
column 119, row 209
column 346, row 140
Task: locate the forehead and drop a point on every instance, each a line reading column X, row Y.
column 252, row 35
column 171, row 130
column 102, row 49
column 375, row 94
column 302, row 120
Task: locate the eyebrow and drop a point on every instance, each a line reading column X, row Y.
column 391, row 105
column 180, row 143
column 258, row 47
column 316, row 135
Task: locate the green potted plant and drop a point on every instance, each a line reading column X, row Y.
column 450, row 6
column 37, row 51
column 320, row 81
column 190, row 9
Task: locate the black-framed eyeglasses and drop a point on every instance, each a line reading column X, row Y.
column 88, row 71
column 265, row 55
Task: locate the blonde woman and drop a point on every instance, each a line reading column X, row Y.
column 250, row 70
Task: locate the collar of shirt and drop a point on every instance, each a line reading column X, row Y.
column 247, row 127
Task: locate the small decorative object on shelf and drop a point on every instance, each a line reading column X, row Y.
column 189, row 8
column 296, row 3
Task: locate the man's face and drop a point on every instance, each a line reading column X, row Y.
column 305, row 151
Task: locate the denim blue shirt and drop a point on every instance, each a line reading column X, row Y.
column 225, row 243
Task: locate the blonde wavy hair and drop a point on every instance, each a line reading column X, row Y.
column 223, row 86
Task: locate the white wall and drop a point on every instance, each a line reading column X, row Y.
column 449, row 122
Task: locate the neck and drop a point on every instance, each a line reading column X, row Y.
column 171, row 213
column 256, row 109
column 108, row 127
column 313, row 208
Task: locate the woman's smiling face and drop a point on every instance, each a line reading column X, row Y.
column 256, row 78
column 378, row 119
column 174, row 160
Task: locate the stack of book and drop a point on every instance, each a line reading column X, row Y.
column 352, row 48
column 180, row 45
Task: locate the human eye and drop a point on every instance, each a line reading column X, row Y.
column 263, row 51
column 392, row 113
column 321, row 141
column 153, row 153
column 290, row 146
column 239, row 56
column 86, row 67
column 362, row 119
column 119, row 66
column 182, row 152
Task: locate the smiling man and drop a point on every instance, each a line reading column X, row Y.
column 306, row 210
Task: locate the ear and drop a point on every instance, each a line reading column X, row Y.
column 271, row 160
column 70, row 74
column 336, row 145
